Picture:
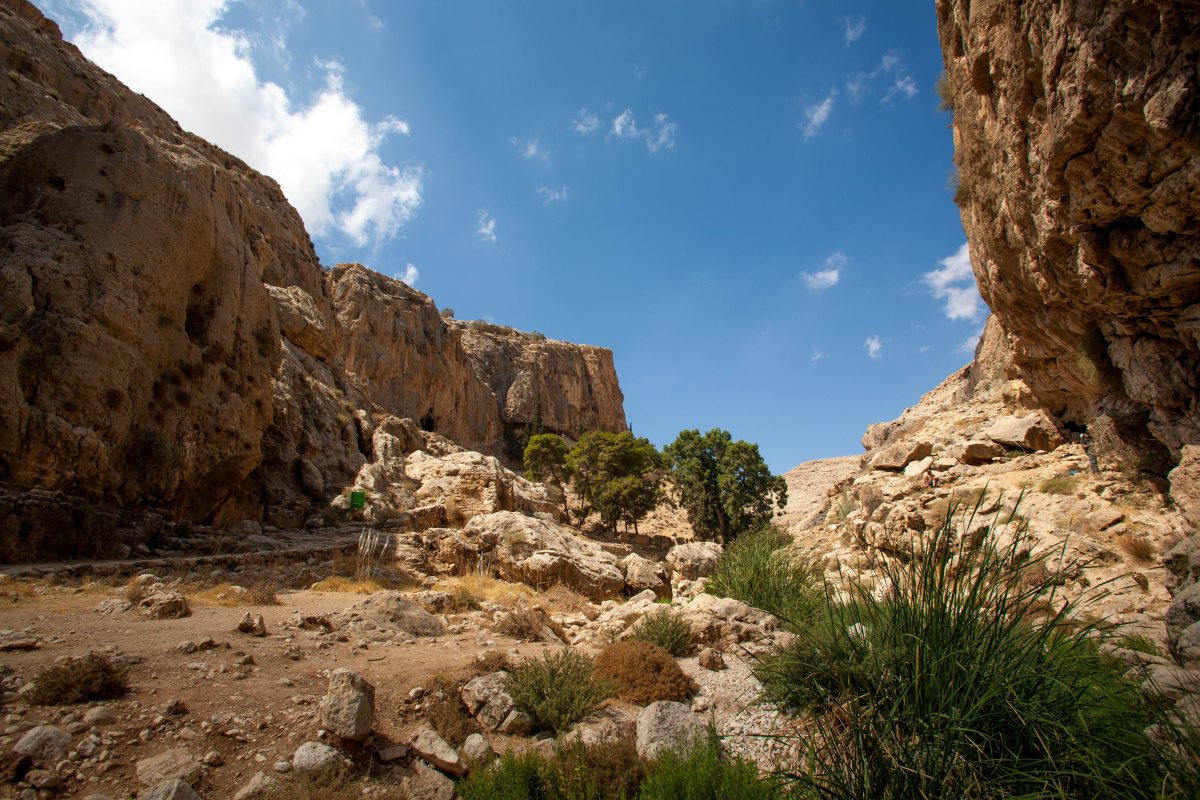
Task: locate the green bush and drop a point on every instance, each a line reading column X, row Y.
column 1140, row 644
column 701, row 774
column 79, row 680
column 608, row 770
column 970, row 678
column 666, row 629
column 510, row 777
column 754, row 570
column 556, row 689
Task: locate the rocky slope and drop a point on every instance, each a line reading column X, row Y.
column 1077, row 142
column 168, row 337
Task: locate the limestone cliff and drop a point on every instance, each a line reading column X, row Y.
column 168, row 337
column 1077, row 142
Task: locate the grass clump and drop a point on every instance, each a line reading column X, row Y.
column 96, row 676
column 230, row 595
column 755, row 569
column 1137, row 547
column 462, row 599
column 1140, row 644
column 1060, row 484
column 964, row 680
column 643, row 672
column 701, row 774
column 666, row 629
column 556, row 689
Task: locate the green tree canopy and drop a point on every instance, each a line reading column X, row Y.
column 724, row 485
column 617, row 475
column 546, row 460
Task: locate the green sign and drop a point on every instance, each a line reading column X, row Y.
column 358, row 500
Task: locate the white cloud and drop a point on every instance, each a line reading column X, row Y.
column 531, row 150
column 855, row 27
column 817, row 115
column 323, row 152
column 625, row 127
column 857, row 85
column 891, row 60
column 818, row 355
column 549, row 195
column 585, row 122
column 955, row 283
column 410, row 274
column 487, row 227
column 903, row 85
column 818, row 281
column 874, row 346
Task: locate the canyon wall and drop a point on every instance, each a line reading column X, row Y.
column 1077, row 143
column 169, row 339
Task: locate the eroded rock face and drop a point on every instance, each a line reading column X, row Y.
column 1078, row 151
column 168, row 337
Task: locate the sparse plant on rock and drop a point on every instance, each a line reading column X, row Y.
column 556, row 689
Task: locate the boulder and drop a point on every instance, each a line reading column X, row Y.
column 476, row 748
column 176, row 763
column 666, row 725
column 173, row 789
column 259, row 786
column 896, row 457
column 711, row 659
column 694, row 560
column 919, row 467
column 316, row 759
column 437, row 751
column 642, row 574
column 387, row 611
column 534, row 551
column 976, row 452
column 1033, row 431
column 159, row 602
column 348, row 708
column 46, row 743
column 99, row 716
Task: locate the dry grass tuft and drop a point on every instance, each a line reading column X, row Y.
column 491, row 661
column 230, row 595
column 643, row 672
column 447, row 714
column 530, row 624
column 568, row 600
column 347, row 585
column 96, row 676
column 1137, row 547
column 1060, row 484
column 485, row 588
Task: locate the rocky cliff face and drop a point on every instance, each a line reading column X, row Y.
column 1077, row 141
column 168, row 337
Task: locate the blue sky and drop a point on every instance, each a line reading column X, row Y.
column 747, row 201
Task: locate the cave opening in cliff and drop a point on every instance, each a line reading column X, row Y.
column 429, row 423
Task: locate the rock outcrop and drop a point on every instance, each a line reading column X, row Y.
column 1078, row 151
column 169, row 339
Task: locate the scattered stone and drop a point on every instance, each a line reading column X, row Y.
column 173, row 789
column 257, row 787
column 395, row 752
column 666, row 725
column 348, row 707
column 213, row 759
column 476, row 748
column 174, row 763
column 253, row 624
column 46, row 743
column 711, row 659
column 100, row 715
column 435, row 750
column 282, row 766
column 174, row 708
column 426, row 783
column 43, row 779
column 113, row 605
column 316, row 759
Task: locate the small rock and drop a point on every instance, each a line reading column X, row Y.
column 476, row 748
column 253, row 624
column 258, row 786
column 711, row 659
column 666, row 725
column 174, row 708
column 100, row 715
column 213, row 759
column 173, row 789
column 174, row 763
column 395, row 752
column 316, row 759
column 348, row 707
column 43, row 743
column 43, row 779
column 425, row 783
column 282, row 766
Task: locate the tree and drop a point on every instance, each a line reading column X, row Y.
column 546, row 460
column 617, row 475
column 725, row 486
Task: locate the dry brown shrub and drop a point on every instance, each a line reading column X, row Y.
column 96, row 676
column 489, row 662
column 447, row 714
column 567, row 599
column 226, row 594
column 643, row 672
column 529, row 624
column 1137, row 547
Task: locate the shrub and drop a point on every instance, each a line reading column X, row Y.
column 666, row 629
column 79, row 680
column 1137, row 547
column 556, row 689
column 529, row 624
column 701, row 774
column 608, row 770
column 510, row 777
column 946, row 688
column 461, row 599
column 447, row 714
column 754, row 570
column 643, row 672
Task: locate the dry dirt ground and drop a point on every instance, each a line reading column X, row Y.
column 251, row 714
